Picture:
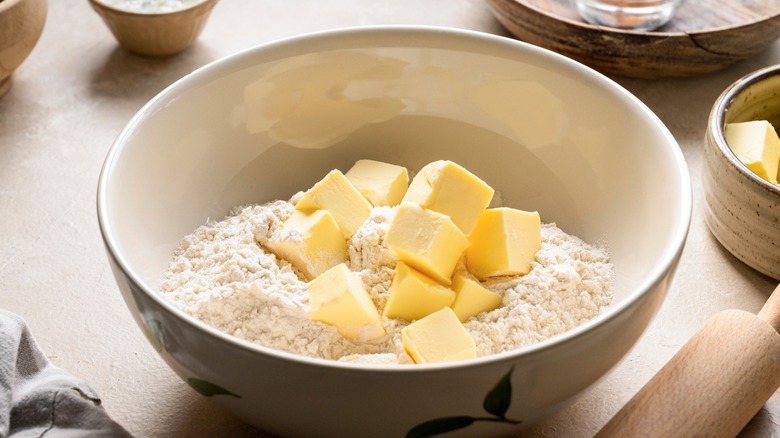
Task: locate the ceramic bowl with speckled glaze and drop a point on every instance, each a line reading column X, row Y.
column 551, row 134
column 742, row 209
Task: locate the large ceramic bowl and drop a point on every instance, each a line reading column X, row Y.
column 741, row 209
column 548, row 133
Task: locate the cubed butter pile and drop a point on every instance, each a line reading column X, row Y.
column 757, row 146
column 442, row 220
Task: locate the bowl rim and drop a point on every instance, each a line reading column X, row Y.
column 8, row 4
column 717, row 121
column 133, row 13
column 403, row 36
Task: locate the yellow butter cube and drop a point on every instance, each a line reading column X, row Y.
column 311, row 241
column 504, row 242
column 450, row 189
column 413, row 295
column 337, row 297
column 337, row 195
column 439, row 337
column 471, row 298
column 380, row 183
column 757, row 146
column 426, row 240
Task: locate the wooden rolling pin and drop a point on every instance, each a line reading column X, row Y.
column 714, row 385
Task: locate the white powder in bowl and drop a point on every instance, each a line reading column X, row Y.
column 150, row 6
column 222, row 275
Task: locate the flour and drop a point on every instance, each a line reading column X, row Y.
column 369, row 258
column 155, row 6
column 569, row 283
column 222, row 275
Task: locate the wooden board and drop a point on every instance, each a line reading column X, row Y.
column 704, row 36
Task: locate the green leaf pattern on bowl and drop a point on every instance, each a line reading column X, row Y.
column 153, row 332
column 498, row 399
column 440, row 426
column 209, row 389
column 496, row 402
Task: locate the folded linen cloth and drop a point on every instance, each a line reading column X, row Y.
column 38, row 399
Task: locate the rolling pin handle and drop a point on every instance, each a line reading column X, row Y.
column 714, row 384
column 771, row 310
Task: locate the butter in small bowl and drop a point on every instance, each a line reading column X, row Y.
column 741, row 195
column 155, row 27
column 756, row 145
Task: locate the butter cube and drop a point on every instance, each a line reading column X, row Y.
column 447, row 188
column 413, row 295
column 380, row 183
column 338, row 298
column 311, row 241
column 426, row 240
column 471, row 298
column 504, row 242
column 337, row 195
column 439, row 337
column 757, row 146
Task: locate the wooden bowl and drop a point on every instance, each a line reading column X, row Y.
column 741, row 209
column 21, row 24
column 704, row 36
column 155, row 33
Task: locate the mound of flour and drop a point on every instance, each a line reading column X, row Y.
column 222, row 275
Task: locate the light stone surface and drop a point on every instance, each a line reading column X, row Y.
column 77, row 90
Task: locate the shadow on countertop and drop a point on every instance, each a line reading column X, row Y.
column 126, row 75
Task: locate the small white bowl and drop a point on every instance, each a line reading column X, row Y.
column 550, row 134
column 155, row 33
column 741, row 209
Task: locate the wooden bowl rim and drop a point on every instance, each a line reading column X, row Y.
column 630, row 33
column 5, row 5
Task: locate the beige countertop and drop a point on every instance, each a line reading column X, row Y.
column 77, row 90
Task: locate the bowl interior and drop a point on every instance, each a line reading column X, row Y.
column 754, row 99
column 546, row 133
column 151, row 9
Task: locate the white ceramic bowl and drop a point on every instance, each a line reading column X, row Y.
column 742, row 209
column 550, row 134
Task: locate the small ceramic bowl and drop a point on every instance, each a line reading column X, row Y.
column 155, row 33
column 21, row 24
column 552, row 135
column 741, row 209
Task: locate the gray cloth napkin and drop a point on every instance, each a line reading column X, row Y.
column 38, row 399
